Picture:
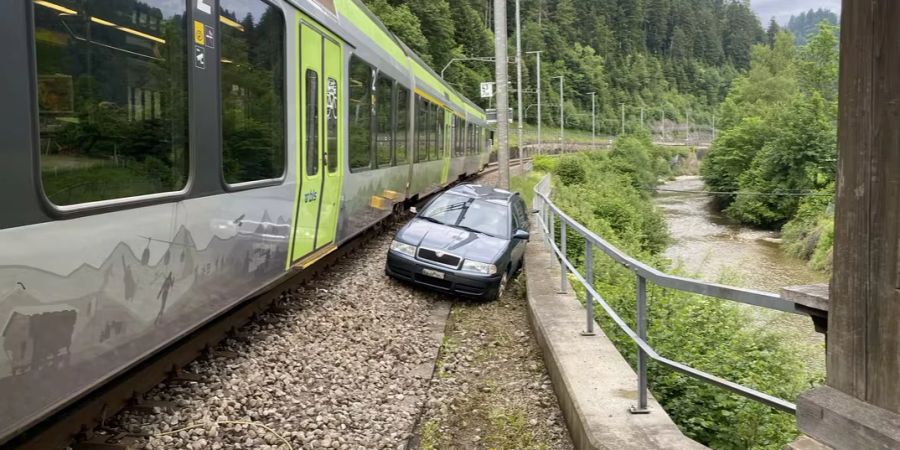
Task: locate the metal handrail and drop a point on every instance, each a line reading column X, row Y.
column 548, row 213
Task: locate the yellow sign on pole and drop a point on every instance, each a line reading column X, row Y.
column 199, row 35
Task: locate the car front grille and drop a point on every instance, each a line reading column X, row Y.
column 446, row 259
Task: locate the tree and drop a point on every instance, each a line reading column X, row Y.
column 818, row 63
column 772, row 31
column 806, row 24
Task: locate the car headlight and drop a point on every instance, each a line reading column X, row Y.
column 480, row 267
column 403, row 248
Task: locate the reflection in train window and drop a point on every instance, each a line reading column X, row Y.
column 360, row 114
column 401, row 146
column 112, row 98
column 384, row 138
column 421, row 135
column 252, row 64
column 439, row 118
column 312, row 122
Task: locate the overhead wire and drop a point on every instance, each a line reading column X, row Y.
column 788, row 193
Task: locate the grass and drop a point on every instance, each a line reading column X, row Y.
column 67, row 187
column 448, row 346
column 509, row 431
column 431, row 435
column 524, row 185
column 551, row 135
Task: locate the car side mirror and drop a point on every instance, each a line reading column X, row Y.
column 521, row 234
column 413, row 210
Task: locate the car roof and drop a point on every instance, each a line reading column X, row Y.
column 482, row 192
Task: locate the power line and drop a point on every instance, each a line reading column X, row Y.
column 768, row 194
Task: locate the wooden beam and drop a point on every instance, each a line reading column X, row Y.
column 864, row 336
column 846, row 360
column 883, row 306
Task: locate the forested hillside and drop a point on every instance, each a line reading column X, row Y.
column 671, row 56
column 806, row 24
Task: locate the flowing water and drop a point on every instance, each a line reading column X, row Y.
column 708, row 246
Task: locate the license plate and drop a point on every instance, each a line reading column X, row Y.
column 433, row 273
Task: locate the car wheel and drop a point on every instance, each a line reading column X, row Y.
column 501, row 288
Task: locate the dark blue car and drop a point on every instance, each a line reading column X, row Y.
column 468, row 241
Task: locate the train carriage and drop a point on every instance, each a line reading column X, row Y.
column 163, row 160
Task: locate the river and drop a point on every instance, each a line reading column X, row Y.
column 709, row 246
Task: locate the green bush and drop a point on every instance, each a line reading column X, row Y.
column 544, row 163
column 570, row 170
column 810, row 233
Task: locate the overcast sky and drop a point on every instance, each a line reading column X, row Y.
column 782, row 10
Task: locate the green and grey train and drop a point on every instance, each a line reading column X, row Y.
column 163, row 160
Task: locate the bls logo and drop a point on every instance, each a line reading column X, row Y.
column 310, row 196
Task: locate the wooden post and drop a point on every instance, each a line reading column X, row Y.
column 862, row 397
column 864, row 341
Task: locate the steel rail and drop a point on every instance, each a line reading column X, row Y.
column 547, row 212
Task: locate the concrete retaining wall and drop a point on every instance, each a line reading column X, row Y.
column 594, row 384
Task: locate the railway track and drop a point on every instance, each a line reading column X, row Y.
column 85, row 424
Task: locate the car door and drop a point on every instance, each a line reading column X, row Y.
column 519, row 222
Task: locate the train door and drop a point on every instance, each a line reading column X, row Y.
column 319, row 149
column 447, row 150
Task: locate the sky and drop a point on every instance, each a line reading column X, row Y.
column 782, row 10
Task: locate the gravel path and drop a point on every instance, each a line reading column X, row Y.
column 491, row 389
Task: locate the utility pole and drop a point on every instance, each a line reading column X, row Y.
column 714, row 128
column 593, row 120
column 623, row 119
column 663, row 114
column 519, row 86
column 642, row 117
column 687, row 138
column 562, row 119
column 500, row 66
column 538, row 90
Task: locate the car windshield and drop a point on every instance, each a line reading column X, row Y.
column 469, row 213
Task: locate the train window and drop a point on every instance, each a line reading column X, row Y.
column 440, row 119
column 331, row 117
column 252, row 92
column 361, row 114
column 384, row 136
column 312, row 122
column 459, row 136
column 112, row 99
column 478, row 140
column 429, row 130
column 401, row 141
column 421, row 130
column 419, row 135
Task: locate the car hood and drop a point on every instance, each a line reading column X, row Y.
column 474, row 246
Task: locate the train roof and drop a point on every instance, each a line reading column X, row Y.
column 363, row 18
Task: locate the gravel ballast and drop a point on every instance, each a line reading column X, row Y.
column 491, row 389
column 345, row 365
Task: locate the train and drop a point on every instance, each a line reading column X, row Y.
column 164, row 160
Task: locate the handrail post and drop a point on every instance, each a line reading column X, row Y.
column 641, row 408
column 589, row 276
column 552, row 227
column 563, row 256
